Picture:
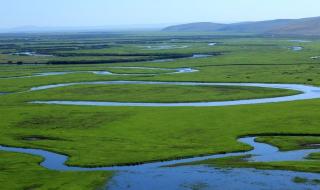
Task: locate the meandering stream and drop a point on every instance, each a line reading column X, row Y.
column 307, row 92
column 169, row 71
column 106, row 72
column 157, row 176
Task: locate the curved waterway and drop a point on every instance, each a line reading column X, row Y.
column 157, row 176
column 307, row 92
column 169, row 71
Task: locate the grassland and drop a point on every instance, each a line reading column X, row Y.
column 19, row 171
column 287, row 143
column 152, row 93
column 102, row 136
column 116, row 131
column 240, row 162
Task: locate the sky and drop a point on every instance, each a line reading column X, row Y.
column 77, row 13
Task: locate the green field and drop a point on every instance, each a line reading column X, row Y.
column 105, row 136
column 29, row 175
column 240, row 162
column 152, row 93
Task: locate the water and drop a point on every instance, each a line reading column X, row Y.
column 315, row 57
column 307, row 92
column 31, row 54
column 73, row 72
column 205, row 178
column 165, row 47
column 296, row 48
column 170, row 71
column 157, row 177
column 162, row 60
column 196, row 56
column 300, row 41
column 212, row 44
column 262, row 153
column 59, row 73
column 174, row 71
column 102, row 72
column 267, row 153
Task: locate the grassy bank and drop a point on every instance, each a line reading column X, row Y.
column 20, row 171
column 240, row 162
column 133, row 135
column 152, row 93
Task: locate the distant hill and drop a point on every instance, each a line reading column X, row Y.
column 305, row 26
column 195, row 27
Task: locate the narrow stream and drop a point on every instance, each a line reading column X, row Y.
column 170, row 71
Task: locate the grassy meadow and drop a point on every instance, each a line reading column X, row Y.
column 105, row 136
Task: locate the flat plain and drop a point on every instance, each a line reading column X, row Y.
column 107, row 136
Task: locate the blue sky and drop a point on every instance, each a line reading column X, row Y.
column 57, row 13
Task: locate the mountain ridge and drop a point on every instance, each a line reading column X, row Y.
column 303, row 26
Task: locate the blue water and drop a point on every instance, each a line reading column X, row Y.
column 165, row 47
column 307, row 93
column 157, row 176
column 297, row 48
column 207, row 178
column 300, row 41
column 170, row 71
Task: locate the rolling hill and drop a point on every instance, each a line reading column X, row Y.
column 304, row 26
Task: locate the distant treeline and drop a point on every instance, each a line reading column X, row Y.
column 44, row 50
column 100, row 61
column 142, row 58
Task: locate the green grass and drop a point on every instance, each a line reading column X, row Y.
column 134, row 135
column 240, row 162
column 101, row 136
column 20, row 171
column 16, row 71
column 302, row 74
column 300, row 180
column 153, row 93
column 314, row 156
column 137, row 71
column 287, row 143
column 306, row 181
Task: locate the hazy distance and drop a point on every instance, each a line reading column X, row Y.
column 126, row 14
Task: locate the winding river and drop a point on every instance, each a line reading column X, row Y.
column 307, row 92
column 157, row 176
column 169, row 71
